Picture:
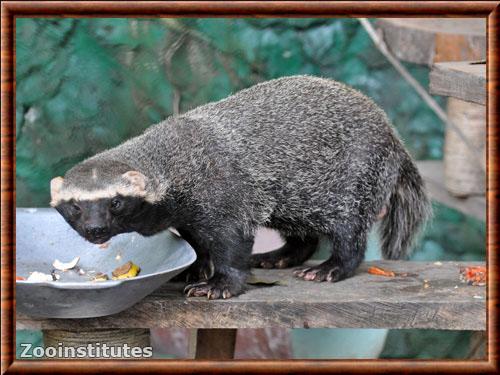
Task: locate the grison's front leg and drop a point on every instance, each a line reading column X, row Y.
column 229, row 250
column 202, row 268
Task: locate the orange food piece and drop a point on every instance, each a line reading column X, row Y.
column 20, row 278
column 473, row 275
column 381, row 272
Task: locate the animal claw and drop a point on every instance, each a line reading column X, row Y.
column 301, row 272
column 266, row 265
column 282, row 263
column 310, row 275
column 320, row 273
column 213, row 293
column 193, row 286
column 213, row 289
column 332, row 275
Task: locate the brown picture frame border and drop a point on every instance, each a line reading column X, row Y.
column 10, row 10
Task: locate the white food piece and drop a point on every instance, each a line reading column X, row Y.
column 39, row 277
column 174, row 231
column 58, row 265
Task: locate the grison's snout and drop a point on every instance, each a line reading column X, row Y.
column 95, row 221
column 96, row 230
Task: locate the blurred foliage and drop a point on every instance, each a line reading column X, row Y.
column 84, row 85
column 451, row 235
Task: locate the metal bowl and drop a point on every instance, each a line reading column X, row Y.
column 42, row 236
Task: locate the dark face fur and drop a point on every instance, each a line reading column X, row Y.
column 99, row 220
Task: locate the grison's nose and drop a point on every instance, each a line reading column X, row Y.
column 95, row 230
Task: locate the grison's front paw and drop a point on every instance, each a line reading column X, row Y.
column 201, row 269
column 322, row 272
column 219, row 286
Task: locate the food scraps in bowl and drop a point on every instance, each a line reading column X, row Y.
column 40, row 277
column 99, row 276
column 126, row 271
column 58, row 265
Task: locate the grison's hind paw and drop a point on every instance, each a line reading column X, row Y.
column 320, row 273
column 215, row 288
column 270, row 260
column 294, row 252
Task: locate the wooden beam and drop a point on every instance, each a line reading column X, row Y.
column 433, row 173
column 461, row 79
column 429, row 40
column 362, row 301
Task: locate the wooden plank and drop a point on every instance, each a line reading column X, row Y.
column 428, row 40
column 362, row 301
column 433, row 173
column 463, row 80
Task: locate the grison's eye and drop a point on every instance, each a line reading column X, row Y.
column 76, row 208
column 115, row 204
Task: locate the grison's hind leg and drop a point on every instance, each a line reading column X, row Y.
column 294, row 252
column 348, row 251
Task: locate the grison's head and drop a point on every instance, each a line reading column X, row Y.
column 100, row 201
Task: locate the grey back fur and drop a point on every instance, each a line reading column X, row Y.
column 300, row 154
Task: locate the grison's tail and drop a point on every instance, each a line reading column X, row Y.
column 407, row 211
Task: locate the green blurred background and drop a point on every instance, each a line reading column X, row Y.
column 84, row 85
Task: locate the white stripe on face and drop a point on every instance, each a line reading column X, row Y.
column 92, row 195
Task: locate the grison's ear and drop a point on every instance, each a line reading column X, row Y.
column 137, row 180
column 55, row 187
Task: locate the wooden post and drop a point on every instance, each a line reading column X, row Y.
column 193, row 334
column 429, row 40
column 215, row 343
column 478, row 345
column 463, row 176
